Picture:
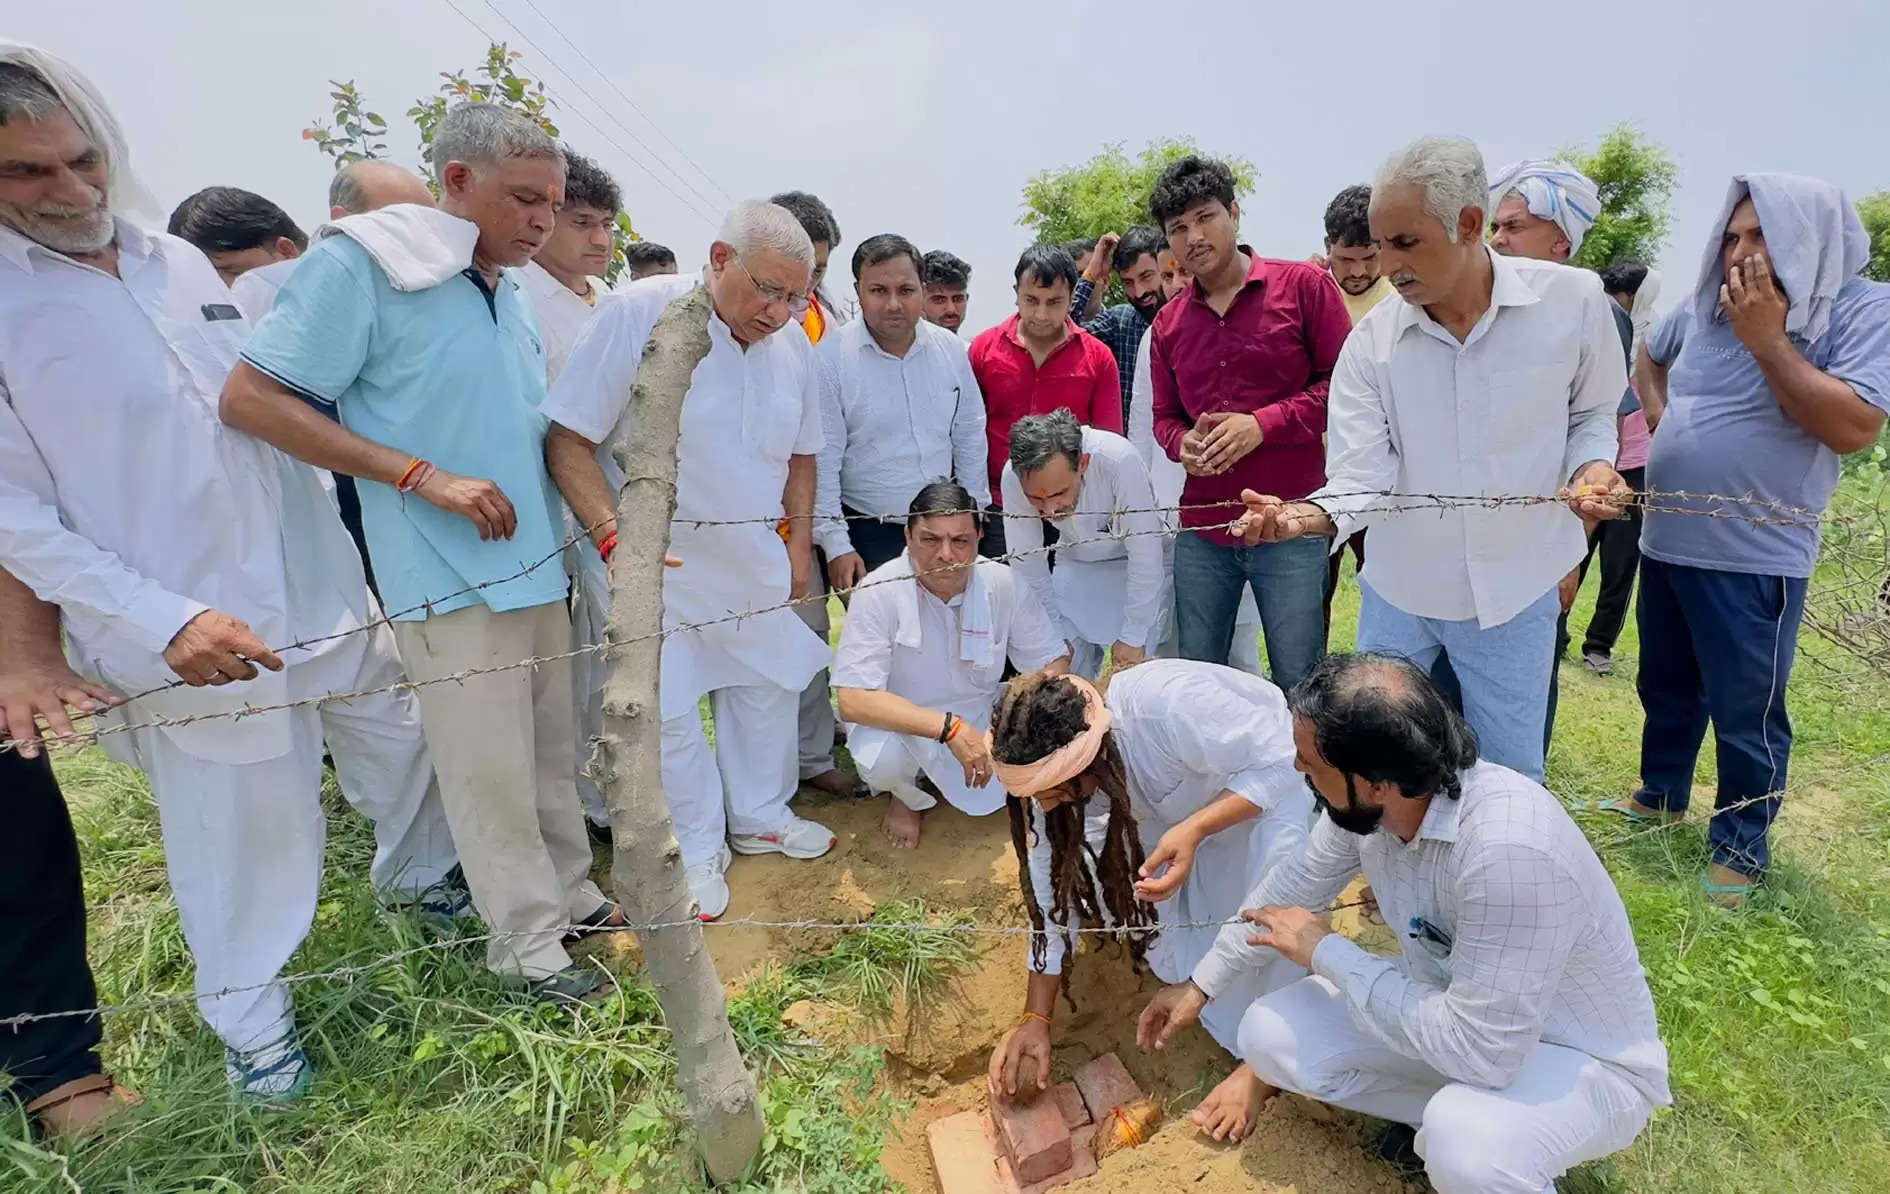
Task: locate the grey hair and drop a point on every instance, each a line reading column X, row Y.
column 753, row 225
column 24, row 95
column 1448, row 170
column 1036, row 440
column 483, row 134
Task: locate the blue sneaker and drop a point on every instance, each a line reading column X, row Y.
column 274, row 1075
column 443, row 905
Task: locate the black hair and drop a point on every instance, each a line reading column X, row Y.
column 941, row 498
column 639, row 254
column 1379, row 718
column 1135, row 242
column 1078, row 246
column 885, row 247
column 587, row 185
column 1047, row 264
column 815, row 217
column 1185, row 182
column 1625, row 278
column 946, row 269
column 230, row 219
column 1348, row 221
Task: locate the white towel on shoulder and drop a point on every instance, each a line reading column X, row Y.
column 416, row 247
column 977, row 631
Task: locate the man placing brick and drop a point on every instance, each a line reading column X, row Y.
column 1198, row 757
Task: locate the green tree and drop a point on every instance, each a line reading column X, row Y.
column 1875, row 212
column 1109, row 192
column 1636, row 178
column 354, row 133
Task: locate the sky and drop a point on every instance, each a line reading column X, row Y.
column 927, row 121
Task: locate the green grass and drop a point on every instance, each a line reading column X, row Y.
column 434, row 1077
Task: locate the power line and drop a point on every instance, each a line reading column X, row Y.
column 709, row 204
column 706, row 216
column 681, row 152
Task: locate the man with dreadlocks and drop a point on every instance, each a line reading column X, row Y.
column 1195, row 757
column 1514, row 1031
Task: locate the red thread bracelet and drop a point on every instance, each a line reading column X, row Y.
column 608, row 545
column 413, row 466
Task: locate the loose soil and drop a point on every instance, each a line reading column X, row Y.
column 937, row 1052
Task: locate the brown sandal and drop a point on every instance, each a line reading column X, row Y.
column 119, row 1100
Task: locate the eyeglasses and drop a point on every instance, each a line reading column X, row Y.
column 796, row 303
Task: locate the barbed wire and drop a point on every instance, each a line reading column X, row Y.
column 354, row 972
column 1846, row 633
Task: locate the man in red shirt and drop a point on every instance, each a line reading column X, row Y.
column 1239, row 362
column 1038, row 361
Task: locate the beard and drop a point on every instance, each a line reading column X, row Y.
column 1148, row 305
column 1357, row 286
column 60, row 227
column 1357, row 819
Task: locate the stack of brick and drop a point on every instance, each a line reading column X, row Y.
column 1029, row 1147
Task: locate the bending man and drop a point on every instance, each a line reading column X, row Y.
column 922, row 656
column 1515, row 1031
column 1197, row 758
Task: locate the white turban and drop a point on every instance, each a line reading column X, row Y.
column 1555, row 191
column 94, row 118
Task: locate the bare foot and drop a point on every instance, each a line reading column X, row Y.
column 902, row 825
column 1232, row 1109
column 835, row 782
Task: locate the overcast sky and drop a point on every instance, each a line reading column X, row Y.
column 926, row 120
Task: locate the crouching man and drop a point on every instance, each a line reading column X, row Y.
column 1515, row 1032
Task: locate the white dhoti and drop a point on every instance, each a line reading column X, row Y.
column 1563, row 1109
column 890, row 762
column 1089, row 597
column 743, row 786
column 243, row 841
column 816, row 720
column 590, row 605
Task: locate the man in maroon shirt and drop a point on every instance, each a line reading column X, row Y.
column 1038, row 361
column 1239, row 362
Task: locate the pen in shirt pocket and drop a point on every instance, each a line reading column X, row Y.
column 1434, row 940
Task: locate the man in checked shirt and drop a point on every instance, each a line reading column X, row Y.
column 1515, row 1031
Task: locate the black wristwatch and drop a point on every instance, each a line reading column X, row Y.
column 946, row 732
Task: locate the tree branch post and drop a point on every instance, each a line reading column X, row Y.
column 647, row 868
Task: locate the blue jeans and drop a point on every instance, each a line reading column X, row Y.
column 1719, row 645
column 1289, row 584
column 1504, row 670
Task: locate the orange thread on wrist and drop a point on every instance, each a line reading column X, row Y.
column 1029, row 1016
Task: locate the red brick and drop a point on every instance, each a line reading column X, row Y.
column 1070, row 1103
column 1034, row 1137
column 1083, row 1164
column 964, row 1154
column 1105, row 1085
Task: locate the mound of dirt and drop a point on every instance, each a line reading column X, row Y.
column 938, row 1050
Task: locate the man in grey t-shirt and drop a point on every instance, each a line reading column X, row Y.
column 1779, row 362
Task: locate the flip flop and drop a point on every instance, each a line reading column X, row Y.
column 609, row 918
column 1727, row 897
column 1635, row 811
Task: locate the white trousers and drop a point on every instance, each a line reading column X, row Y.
column 816, row 700
column 243, row 842
column 744, row 784
column 892, row 763
column 1563, row 1109
column 502, row 743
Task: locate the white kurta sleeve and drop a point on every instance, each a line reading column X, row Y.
column 1141, row 428
column 830, row 525
column 864, row 657
column 1034, row 642
column 968, row 440
column 64, row 568
column 1600, row 380
column 594, row 388
column 1095, row 830
column 1360, row 459
column 1142, row 525
column 1312, row 879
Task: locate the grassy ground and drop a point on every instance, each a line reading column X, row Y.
column 436, row 1078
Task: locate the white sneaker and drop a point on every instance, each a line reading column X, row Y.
column 797, row 838
column 710, row 888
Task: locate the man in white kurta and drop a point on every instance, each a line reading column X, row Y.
column 923, row 650
column 564, row 286
column 176, row 547
column 1114, row 561
column 750, row 427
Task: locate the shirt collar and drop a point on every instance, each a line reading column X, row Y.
column 1508, row 288
column 859, row 337
column 19, row 249
column 1008, row 329
column 1440, row 820
column 1256, row 274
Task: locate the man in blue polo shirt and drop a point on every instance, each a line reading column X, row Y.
column 407, row 322
column 1778, row 362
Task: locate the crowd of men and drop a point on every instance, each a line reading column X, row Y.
column 243, row 468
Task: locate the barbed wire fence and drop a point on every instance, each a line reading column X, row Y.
column 1849, row 606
